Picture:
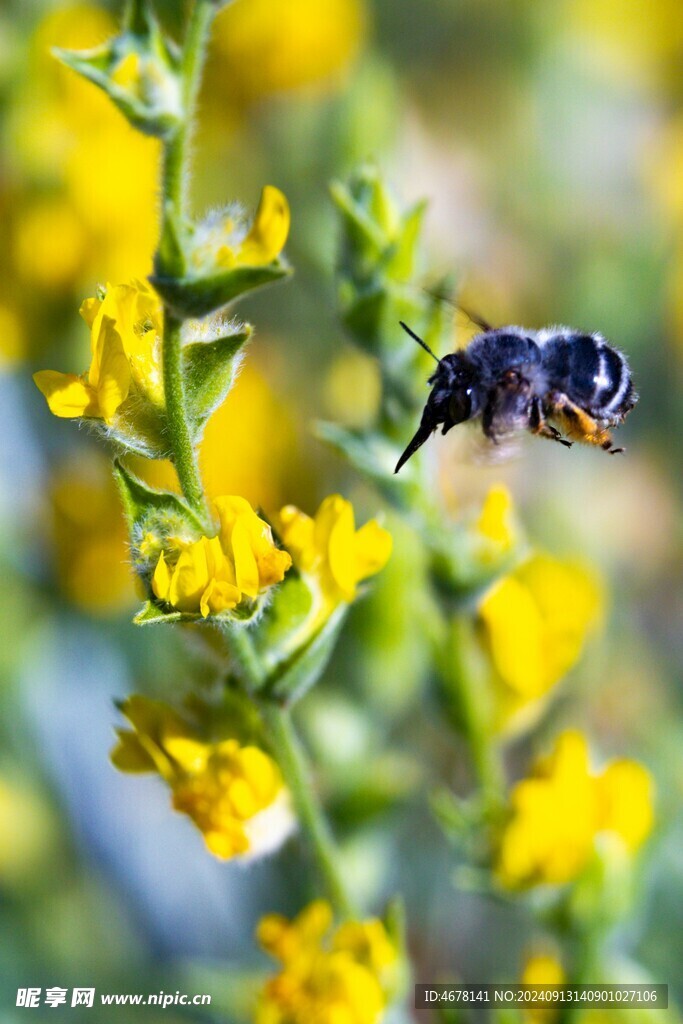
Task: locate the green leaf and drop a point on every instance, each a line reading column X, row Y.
column 148, row 509
column 97, row 65
column 199, row 296
column 372, row 455
column 401, row 265
column 364, row 236
column 209, row 369
column 292, row 677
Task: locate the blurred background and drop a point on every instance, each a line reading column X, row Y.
column 548, row 139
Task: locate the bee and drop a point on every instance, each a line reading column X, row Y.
column 517, row 379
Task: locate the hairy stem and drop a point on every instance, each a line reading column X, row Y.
column 294, row 767
column 184, row 453
column 176, row 148
column 170, row 261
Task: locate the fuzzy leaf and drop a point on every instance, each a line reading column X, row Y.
column 209, row 372
column 199, row 296
column 146, row 508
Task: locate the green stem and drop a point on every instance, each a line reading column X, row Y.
column 294, row 767
column 295, row 770
column 170, row 261
column 184, row 454
column 176, row 148
column 475, row 714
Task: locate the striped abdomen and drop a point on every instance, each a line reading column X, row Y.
column 591, row 373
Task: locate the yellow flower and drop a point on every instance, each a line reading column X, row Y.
column 65, row 132
column 215, row 574
column 330, row 552
column 559, row 812
column 495, row 527
column 125, row 328
column 223, row 241
column 233, row 793
column 542, row 969
column 327, row 976
column 267, row 235
column 263, row 47
column 631, row 40
column 49, row 244
column 535, row 621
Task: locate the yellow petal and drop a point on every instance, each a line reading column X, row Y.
column 515, row 634
column 495, row 521
column 341, row 553
column 110, row 369
column 297, row 532
column 129, row 755
column 68, row 396
column 373, row 549
column 190, row 577
column 161, row 581
column 626, row 794
column 268, row 234
column 246, row 568
column 190, row 754
column 229, row 508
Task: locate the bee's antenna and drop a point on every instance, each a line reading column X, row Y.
column 414, row 336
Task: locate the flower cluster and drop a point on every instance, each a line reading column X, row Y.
column 559, row 813
column 233, row 792
column 215, row 574
column 327, row 975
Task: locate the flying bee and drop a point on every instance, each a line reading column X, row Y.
column 518, row 379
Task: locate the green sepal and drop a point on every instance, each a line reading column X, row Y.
column 147, row 508
column 292, row 679
column 209, row 369
column 151, row 615
column 198, row 296
column 292, row 643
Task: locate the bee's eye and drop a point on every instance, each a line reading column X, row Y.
column 460, row 405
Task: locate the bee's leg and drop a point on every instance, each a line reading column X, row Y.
column 539, row 426
column 579, row 424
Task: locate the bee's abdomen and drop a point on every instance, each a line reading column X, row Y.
column 591, row 373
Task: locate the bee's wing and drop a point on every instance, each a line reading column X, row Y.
column 485, row 452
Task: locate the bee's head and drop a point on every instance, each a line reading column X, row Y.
column 453, row 400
